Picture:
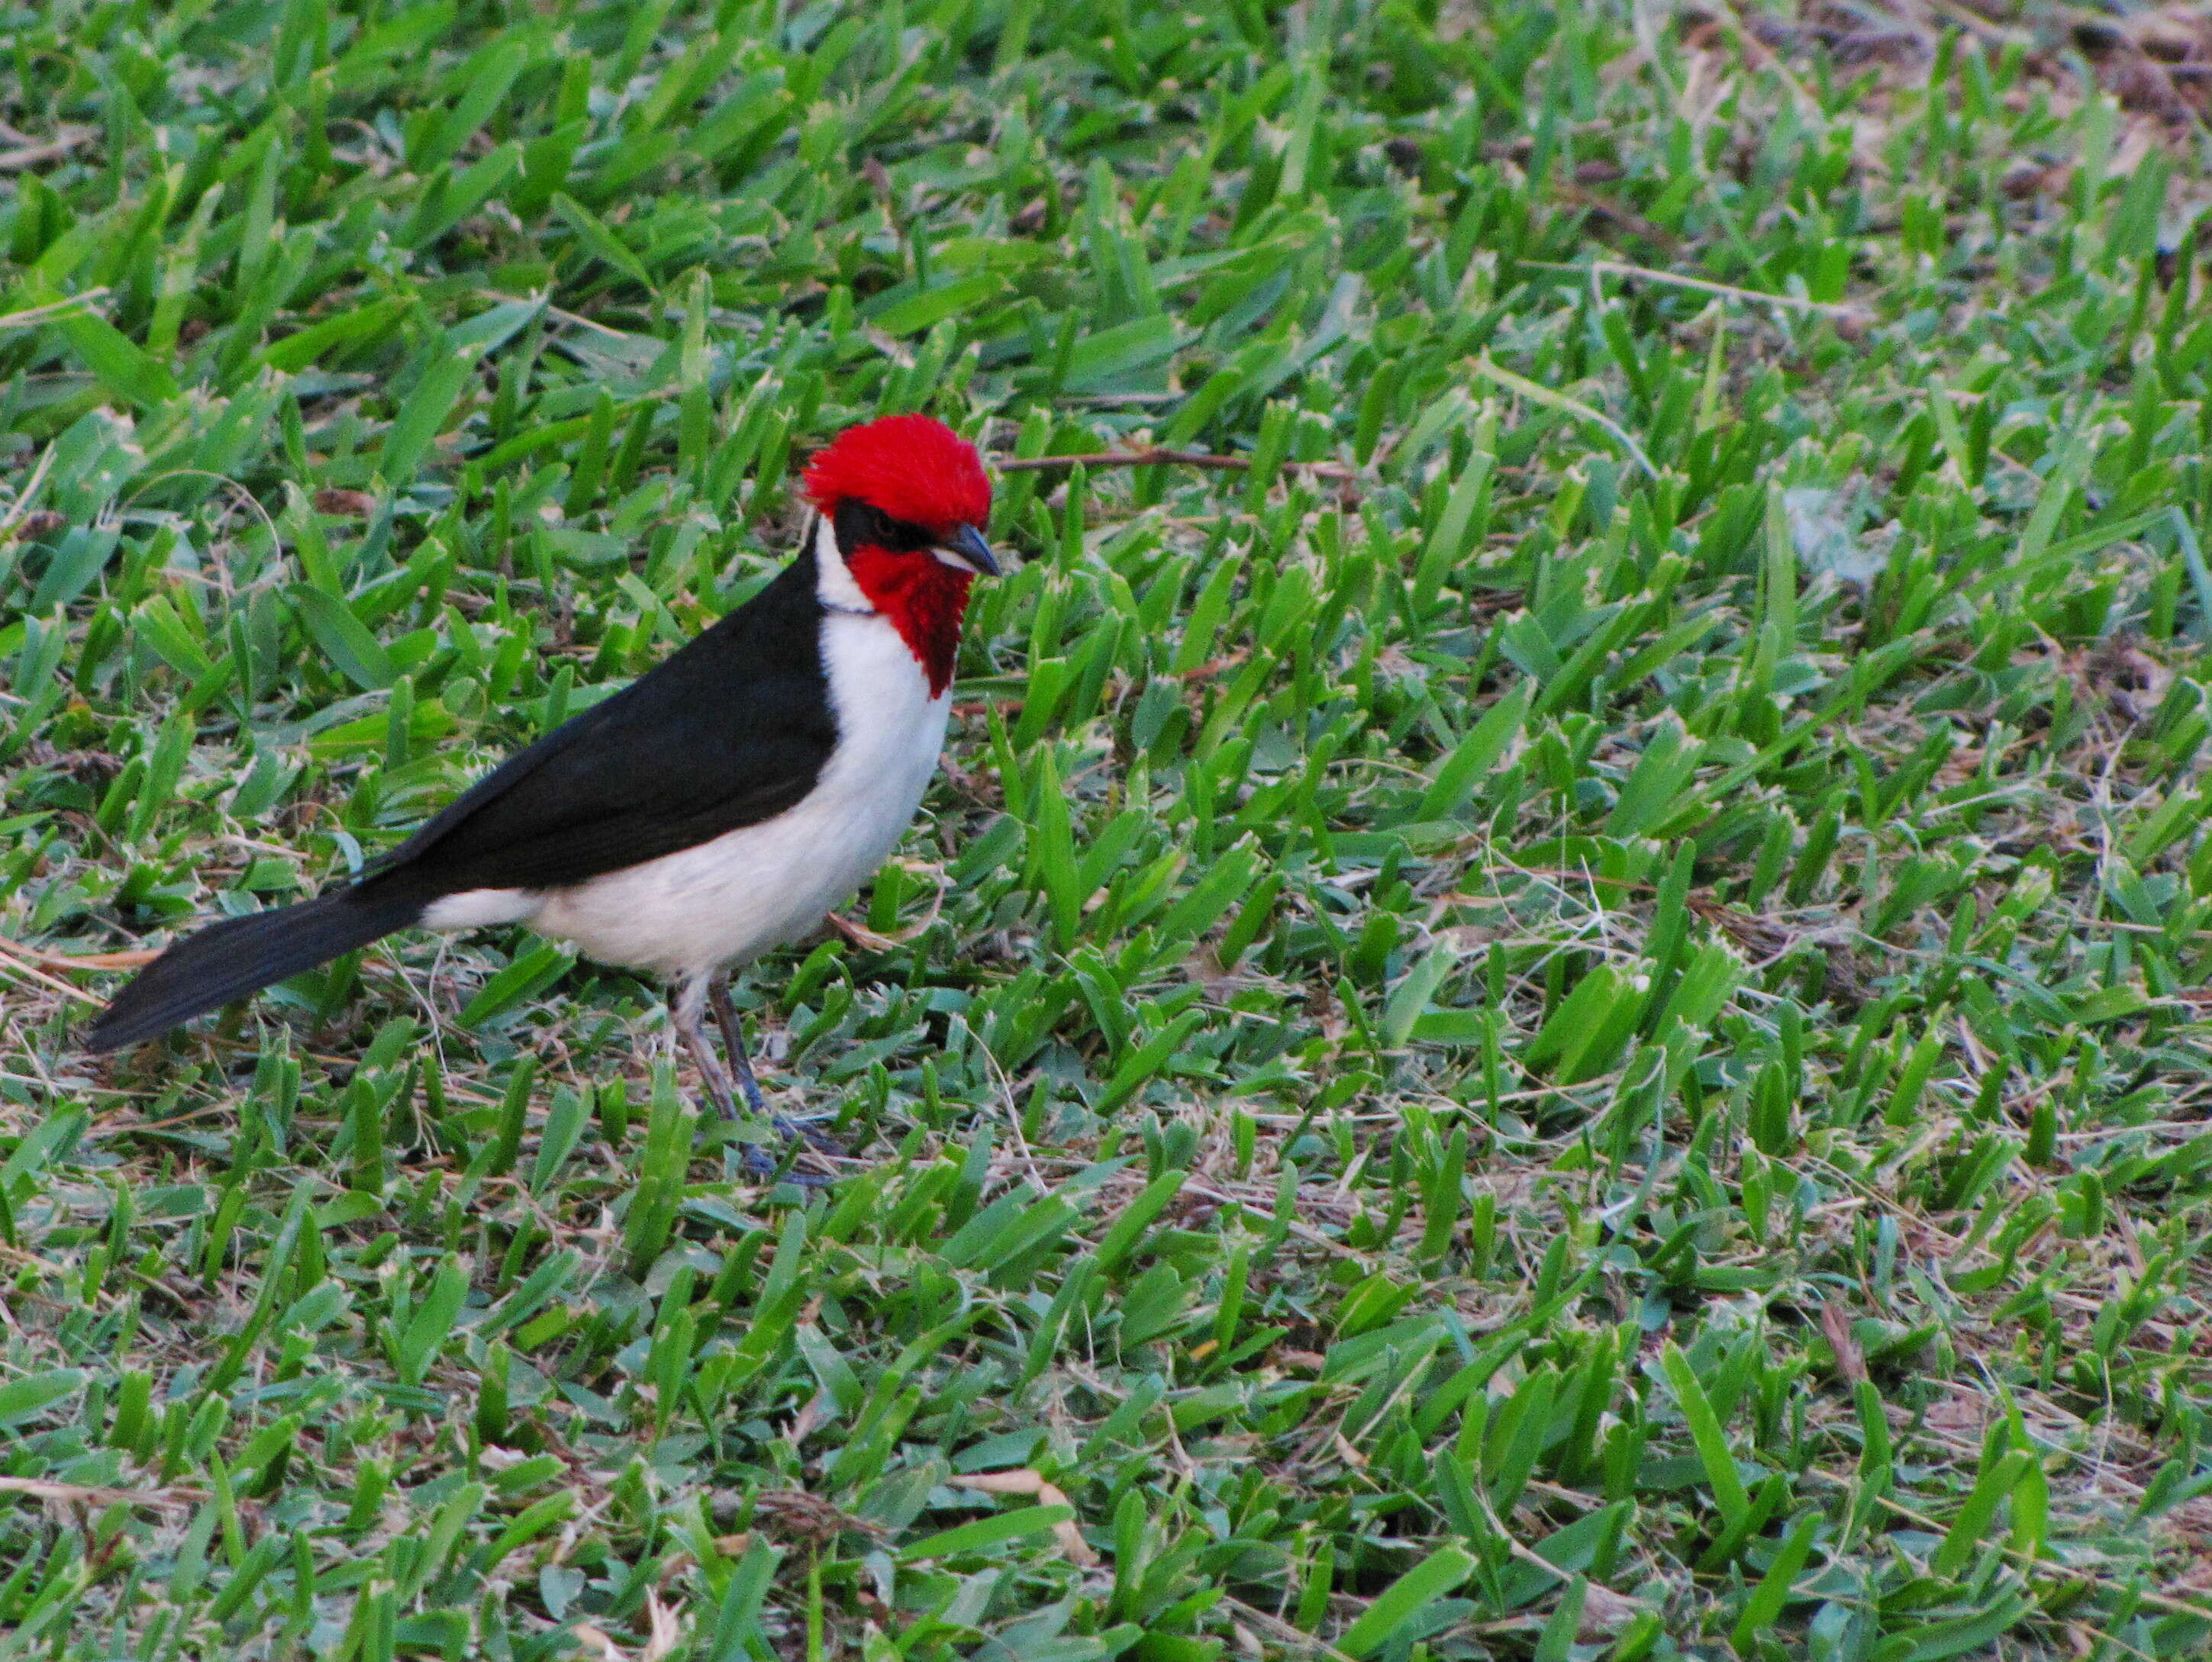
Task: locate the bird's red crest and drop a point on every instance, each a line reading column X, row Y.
column 914, row 468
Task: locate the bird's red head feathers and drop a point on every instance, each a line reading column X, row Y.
column 919, row 472
column 913, row 467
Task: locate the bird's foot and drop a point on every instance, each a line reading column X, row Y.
column 804, row 1130
column 769, row 1159
column 771, row 1167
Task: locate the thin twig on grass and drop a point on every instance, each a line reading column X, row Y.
column 47, row 1489
column 1703, row 285
column 32, row 156
column 1157, row 456
column 19, row 960
column 133, row 958
column 1026, row 1481
column 37, row 317
column 1566, row 406
column 1283, row 1632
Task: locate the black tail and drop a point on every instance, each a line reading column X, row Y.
column 239, row 956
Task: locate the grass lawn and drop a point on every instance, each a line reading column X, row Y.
column 1557, row 1011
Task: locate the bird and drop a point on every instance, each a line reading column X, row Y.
column 716, row 808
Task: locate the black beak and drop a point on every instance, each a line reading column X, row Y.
column 966, row 544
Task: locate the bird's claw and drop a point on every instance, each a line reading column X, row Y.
column 772, row 1167
column 771, row 1161
column 798, row 1131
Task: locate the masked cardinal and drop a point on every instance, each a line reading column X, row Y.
column 711, row 811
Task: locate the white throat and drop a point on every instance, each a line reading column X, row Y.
column 833, row 582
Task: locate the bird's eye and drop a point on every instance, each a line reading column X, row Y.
column 864, row 525
column 899, row 536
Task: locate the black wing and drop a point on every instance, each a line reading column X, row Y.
column 732, row 730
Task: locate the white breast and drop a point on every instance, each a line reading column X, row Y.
column 726, row 901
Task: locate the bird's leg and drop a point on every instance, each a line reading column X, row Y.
column 686, row 1010
column 733, row 1039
